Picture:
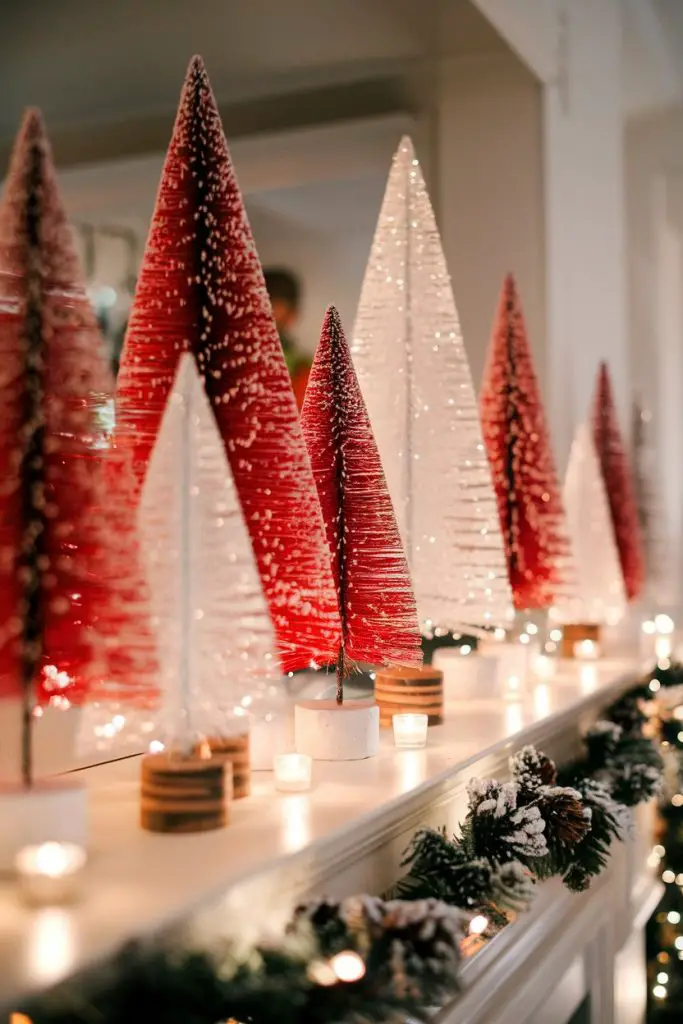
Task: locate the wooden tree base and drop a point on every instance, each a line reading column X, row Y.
column 400, row 690
column 234, row 750
column 182, row 794
column 574, row 633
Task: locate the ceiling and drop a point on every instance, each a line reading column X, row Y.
column 89, row 64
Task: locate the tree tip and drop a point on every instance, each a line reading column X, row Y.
column 32, row 124
column 196, row 65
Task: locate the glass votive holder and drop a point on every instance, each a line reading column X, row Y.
column 49, row 874
column 586, row 650
column 410, row 731
column 293, row 772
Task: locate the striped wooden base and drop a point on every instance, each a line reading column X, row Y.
column 574, row 633
column 182, row 794
column 235, row 751
column 401, row 690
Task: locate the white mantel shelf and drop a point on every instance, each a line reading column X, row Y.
column 347, row 835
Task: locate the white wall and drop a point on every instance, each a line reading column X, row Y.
column 488, row 170
column 654, row 162
column 323, row 232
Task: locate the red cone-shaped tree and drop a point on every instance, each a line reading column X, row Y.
column 515, row 433
column 201, row 288
column 72, row 623
column 616, row 473
column 376, row 601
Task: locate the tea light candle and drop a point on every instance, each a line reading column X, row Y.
column 410, row 731
column 586, row 650
column 49, row 873
column 293, row 772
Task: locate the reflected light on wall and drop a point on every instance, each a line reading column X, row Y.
column 541, row 700
column 51, row 949
column 514, row 718
column 588, row 679
column 412, row 768
column 295, row 822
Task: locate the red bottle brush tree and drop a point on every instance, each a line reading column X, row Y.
column 529, row 498
column 72, row 601
column 201, row 288
column 377, row 606
column 619, row 484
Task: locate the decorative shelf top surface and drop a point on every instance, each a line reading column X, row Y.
column 280, row 847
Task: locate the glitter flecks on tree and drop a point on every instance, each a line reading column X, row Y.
column 413, row 371
column 73, row 614
column 201, row 288
column 530, row 505
column 600, row 596
column 376, row 601
column 216, row 640
column 616, row 473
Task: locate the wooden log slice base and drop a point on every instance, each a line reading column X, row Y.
column 235, row 751
column 400, row 690
column 574, row 633
column 182, row 794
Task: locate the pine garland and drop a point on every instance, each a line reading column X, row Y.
column 543, row 822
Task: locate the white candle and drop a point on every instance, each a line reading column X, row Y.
column 586, row 650
column 49, row 873
column 293, row 772
column 410, row 731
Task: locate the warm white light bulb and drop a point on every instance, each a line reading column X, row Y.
column 664, row 624
column 348, row 966
column 478, row 924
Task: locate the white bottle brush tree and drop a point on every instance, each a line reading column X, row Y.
column 600, row 594
column 217, row 648
column 414, row 375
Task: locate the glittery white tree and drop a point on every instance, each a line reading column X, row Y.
column 217, row 649
column 600, row 596
column 411, row 363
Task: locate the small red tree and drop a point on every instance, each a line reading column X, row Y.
column 516, row 436
column 72, row 613
column 616, row 473
column 377, row 606
column 201, row 288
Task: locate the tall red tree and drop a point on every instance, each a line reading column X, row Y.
column 201, row 288
column 376, row 601
column 526, row 484
column 619, row 484
column 72, row 601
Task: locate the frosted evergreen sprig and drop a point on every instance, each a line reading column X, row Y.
column 498, row 827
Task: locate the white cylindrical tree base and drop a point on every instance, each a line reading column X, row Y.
column 328, row 731
column 466, row 677
column 50, row 810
